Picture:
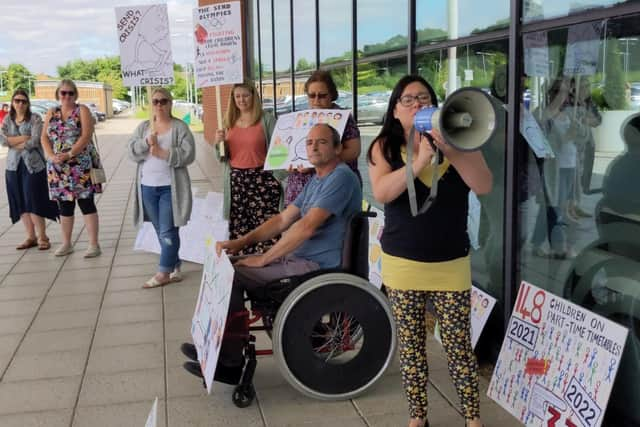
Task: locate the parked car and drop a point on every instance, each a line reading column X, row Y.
column 45, row 103
column 99, row 116
column 634, row 100
column 39, row 109
column 372, row 107
column 119, row 106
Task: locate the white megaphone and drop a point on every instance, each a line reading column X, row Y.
column 468, row 119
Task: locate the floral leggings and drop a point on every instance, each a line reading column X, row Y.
column 453, row 313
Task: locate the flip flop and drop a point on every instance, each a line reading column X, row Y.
column 154, row 283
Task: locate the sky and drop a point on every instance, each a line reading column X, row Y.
column 42, row 37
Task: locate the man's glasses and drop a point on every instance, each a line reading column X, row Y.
column 67, row 93
column 409, row 100
column 317, row 95
column 21, row 101
column 163, row 101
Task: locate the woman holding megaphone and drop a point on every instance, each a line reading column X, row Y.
column 426, row 257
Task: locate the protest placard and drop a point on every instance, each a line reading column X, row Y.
column 218, row 44
column 376, row 225
column 557, row 363
column 583, row 46
column 152, row 418
column 145, row 45
column 481, row 306
column 210, row 316
column 206, row 220
column 536, row 54
column 533, row 134
column 288, row 142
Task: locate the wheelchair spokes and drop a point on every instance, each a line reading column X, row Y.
column 337, row 337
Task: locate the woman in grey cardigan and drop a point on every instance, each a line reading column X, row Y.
column 26, row 175
column 163, row 149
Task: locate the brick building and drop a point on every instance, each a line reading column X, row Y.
column 98, row 93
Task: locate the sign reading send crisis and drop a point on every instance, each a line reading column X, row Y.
column 558, row 362
column 145, row 45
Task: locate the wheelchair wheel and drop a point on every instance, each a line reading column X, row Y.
column 243, row 395
column 334, row 336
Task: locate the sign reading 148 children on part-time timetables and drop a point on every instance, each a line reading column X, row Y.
column 557, row 363
column 218, row 44
column 145, row 45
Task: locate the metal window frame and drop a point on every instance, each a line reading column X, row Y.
column 259, row 46
column 514, row 34
column 273, row 52
column 354, row 59
column 293, row 58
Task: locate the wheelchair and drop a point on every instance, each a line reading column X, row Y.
column 333, row 335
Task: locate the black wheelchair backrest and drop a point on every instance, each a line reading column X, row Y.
column 355, row 249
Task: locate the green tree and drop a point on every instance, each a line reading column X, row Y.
column 303, row 65
column 18, row 76
column 614, row 85
column 4, row 83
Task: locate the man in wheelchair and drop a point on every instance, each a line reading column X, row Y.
column 313, row 230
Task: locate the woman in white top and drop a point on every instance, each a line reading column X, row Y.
column 163, row 150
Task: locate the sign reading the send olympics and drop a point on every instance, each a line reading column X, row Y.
column 145, row 45
column 210, row 316
column 218, row 44
column 557, row 363
column 288, row 142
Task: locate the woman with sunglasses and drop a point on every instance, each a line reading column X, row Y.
column 426, row 257
column 251, row 194
column 25, row 176
column 322, row 92
column 66, row 141
column 163, row 147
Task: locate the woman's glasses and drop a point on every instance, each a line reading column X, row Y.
column 21, row 101
column 409, row 100
column 67, row 93
column 163, row 101
column 317, row 95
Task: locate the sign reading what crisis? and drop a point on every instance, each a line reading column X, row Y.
column 557, row 363
column 145, row 45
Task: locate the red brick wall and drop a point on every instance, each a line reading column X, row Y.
column 209, row 104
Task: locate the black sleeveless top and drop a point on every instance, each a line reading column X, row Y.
column 438, row 235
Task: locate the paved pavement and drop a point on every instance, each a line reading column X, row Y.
column 82, row 345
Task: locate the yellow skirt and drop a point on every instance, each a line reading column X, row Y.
column 405, row 274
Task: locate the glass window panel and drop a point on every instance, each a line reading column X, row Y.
column 580, row 211
column 433, row 22
column 481, row 66
column 304, row 33
column 266, row 52
column 255, row 71
column 533, row 10
column 283, row 90
column 375, row 82
column 376, row 32
column 335, row 31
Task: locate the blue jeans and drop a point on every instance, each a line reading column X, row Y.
column 156, row 202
